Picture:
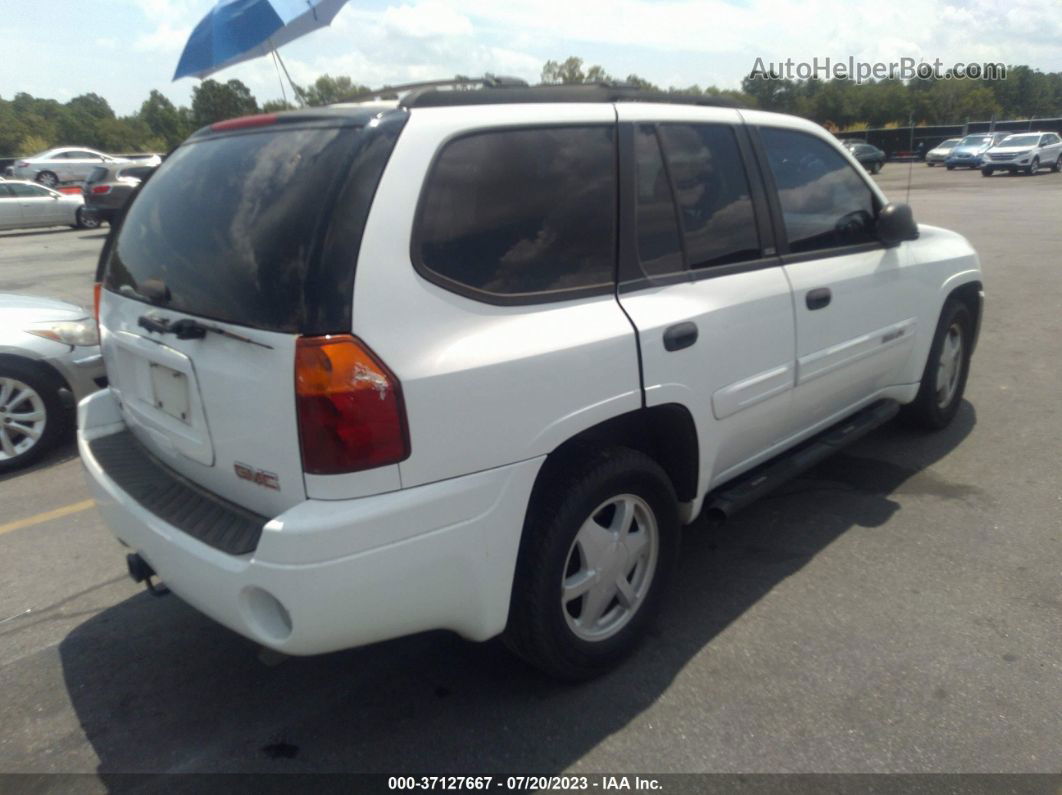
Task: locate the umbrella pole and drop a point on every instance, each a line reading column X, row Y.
column 283, row 93
column 294, row 88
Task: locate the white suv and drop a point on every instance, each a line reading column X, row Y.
column 470, row 362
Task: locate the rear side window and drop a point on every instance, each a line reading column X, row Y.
column 524, row 214
column 825, row 203
column 712, row 193
column 136, row 172
column 659, row 249
column 234, row 226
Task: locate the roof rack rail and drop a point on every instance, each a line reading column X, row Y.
column 427, row 96
column 392, row 92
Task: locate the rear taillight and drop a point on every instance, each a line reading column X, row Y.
column 21, row 164
column 350, row 410
column 98, row 189
column 97, row 289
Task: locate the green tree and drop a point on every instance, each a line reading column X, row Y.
column 213, row 101
column 570, row 71
column 327, row 89
column 163, row 120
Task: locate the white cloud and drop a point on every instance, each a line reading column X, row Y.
column 426, row 20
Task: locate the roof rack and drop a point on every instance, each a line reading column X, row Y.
column 459, row 82
column 498, row 90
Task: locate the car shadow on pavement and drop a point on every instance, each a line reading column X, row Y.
column 63, row 452
column 51, row 230
column 157, row 687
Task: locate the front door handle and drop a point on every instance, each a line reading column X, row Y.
column 679, row 336
column 818, row 298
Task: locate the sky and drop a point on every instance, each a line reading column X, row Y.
column 122, row 49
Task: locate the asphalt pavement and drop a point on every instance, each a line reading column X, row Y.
column 898, row 609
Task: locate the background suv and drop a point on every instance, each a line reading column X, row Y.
column 1026, row 152
column 967, row 153
column 470, row 361
column 109, row 187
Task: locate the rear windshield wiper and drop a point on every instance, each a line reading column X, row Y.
column 189, row 329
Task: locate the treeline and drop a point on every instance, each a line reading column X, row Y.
column 31, row 124
column 843, row 104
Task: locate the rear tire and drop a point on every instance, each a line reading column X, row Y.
column 1057, row 167
column 86, row 220
column 32, row 416
column 944, row 378
column 599, row 543
column 48, row 179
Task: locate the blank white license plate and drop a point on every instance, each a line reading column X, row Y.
column 171, row 391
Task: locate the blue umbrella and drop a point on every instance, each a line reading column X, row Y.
column 238, row 30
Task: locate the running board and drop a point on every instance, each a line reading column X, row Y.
column 730, row 498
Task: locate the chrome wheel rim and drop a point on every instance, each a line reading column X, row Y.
column 88, row 220
column 48, row 180
column 610, row 566
column 950, row 366
column 22, row 418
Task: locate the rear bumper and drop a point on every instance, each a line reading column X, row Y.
column 346, row 572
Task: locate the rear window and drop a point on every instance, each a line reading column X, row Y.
column 97, row 174
column 237, row 226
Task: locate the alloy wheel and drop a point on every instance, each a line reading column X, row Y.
column 949, row 368
column 22, row 418
column 610, row 567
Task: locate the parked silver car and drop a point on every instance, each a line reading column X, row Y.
column 49, row 360
column 941, row 151
column 26, row 204
column 62, row 164
column 1027, row 152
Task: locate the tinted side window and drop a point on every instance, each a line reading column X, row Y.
column 517, row 212
column 659, row 249
column 712, row 192
column 5, row 192
column 825, row 203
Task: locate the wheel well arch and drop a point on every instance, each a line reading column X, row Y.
column 970, row 294
column 37, row 364
column 666, row 433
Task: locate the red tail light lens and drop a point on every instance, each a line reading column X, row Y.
column 101, row 188
column 96, row 290
column 21, row 164
column 350, row 409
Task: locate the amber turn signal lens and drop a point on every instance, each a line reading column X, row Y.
column 350, row 409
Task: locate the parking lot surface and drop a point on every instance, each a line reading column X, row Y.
column 897, row 609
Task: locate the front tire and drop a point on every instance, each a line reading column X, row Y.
column 32, row 417
column 986, row 172
column 944, row 378
column 599, row 542
column 1033, row 167
column 950, row 167
column 1057, row 167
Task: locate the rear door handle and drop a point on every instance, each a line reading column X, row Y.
column 679, row 336
column 818, row 298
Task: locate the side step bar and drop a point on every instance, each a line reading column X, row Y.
column 731, row 497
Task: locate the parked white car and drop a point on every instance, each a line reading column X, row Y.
column 1026, row 152
column 25, row 204
column 552, row 353
column 60, row 165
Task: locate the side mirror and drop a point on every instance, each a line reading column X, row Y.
column 896, row 224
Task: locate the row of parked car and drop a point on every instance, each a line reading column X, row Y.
column 1026, row 152
column 35, row 194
